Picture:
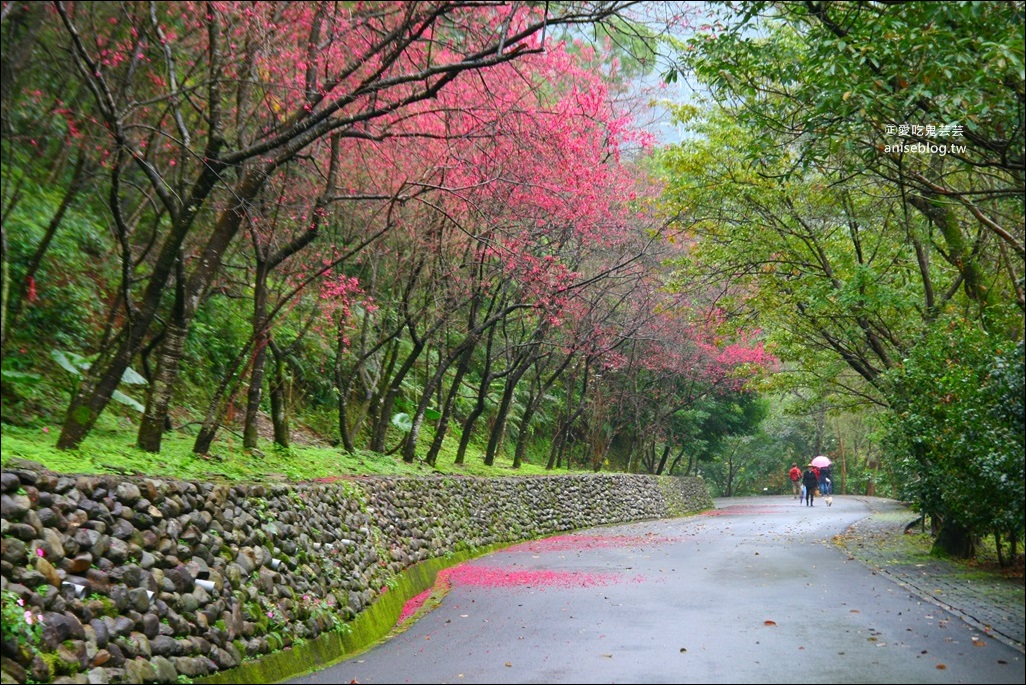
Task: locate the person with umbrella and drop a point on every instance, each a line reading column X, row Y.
column 822, row 465
column 810, row 481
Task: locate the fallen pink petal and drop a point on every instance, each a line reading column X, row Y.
column 413, row 605
column 486, row 576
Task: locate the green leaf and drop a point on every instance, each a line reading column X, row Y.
column 70, row 362
column 403, row 422
column 132, row 377
column 16, row 377
column 124, row 399
column 432, row 414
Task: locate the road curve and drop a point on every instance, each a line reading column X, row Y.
column 754, row 591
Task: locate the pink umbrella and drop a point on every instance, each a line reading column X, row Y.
column 820, row 462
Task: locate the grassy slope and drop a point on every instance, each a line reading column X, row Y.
column 110, row 449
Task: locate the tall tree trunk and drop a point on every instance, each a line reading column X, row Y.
column 557, row 443
column 349, row 426
column 158, row 399
column 523, row 437
column 388, row 400
column 520, row 366
column 5, row 286
column 662, row 460
column 265, row 264
column 958, row 253
column 563, row 425
column 96, row 389
column 537, row 397
column 461, row 354
column 450, row 400
column 279, row 397
column 195, row 290
column 479, row 405
column 559, row 446
column 158, row 395
column 676, row 461
column 344, row 388
column 223, row 397
column 261, row 336
column 499, row 426
column 21, row 27
column 410, row 448
column 376, row 393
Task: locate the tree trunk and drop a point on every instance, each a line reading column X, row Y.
column 443, row 421
column 519, row 368
column 559, row 444
column 955, row 540
column 460, row 353
column 499, row 427
column 350, row 419
column 5, row 286
column 388, row 400
column 93, row 396
column 410, row 448
column 538, row 396
column 158, row 395
column 375, row 392
column 261, row 336
column 557, row 438
column 663, row 459
column 21, row 28
column 998, row 546
column 279, row 398
column 344, row 387
column 525, row 431
column 158, row 399
column 676, row 461
column 229, row 386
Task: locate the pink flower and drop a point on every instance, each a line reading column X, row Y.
column 46, row 429
column 28, row 617
column 40, row 552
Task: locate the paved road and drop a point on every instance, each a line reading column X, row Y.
column 752, row 592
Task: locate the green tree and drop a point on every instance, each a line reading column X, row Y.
column 957, row 427
column 806, row 198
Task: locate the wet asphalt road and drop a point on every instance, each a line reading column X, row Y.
column 753, row 592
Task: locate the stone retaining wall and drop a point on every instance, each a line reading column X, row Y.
column 148, row 580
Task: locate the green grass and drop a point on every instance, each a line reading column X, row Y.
column 110, row 448
column 916, row 547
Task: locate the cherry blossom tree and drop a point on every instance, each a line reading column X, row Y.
column 202, row 103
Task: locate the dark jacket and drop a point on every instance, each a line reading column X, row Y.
column 809, row 480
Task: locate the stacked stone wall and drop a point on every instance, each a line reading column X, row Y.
column 150, row 580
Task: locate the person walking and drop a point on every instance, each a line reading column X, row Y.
column 810, row 481
column 824, row 481
column 795, row 474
